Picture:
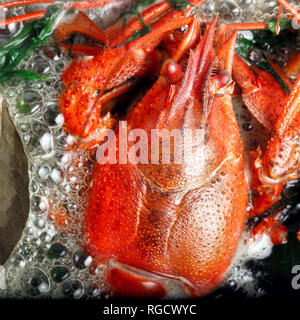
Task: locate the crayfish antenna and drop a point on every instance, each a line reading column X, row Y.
column 205, row 52
column 290, row 9
column 23, row 17
column 41, row 13
column 291, row 114
column 278, row 19
column 24, row 2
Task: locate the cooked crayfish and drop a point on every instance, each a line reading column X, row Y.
column 182, row 221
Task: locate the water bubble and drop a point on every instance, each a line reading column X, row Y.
column 33, row 99
column 24, row 127
column 33, row 186
column 43, row 204
column 36, row 242
column 246, row 3
column 93, row 291
column 41, row 258
column 52, row 115
column 60, row 273
column 38, row 128
column 35, row 203
column 46, row 142
column 56, row 175
column 29, row 231
column 45, row 237
column 40, row 65
column 11, row 93
column 65, row 187
column 35, row 282
column 40, row 223
column 49, row 82
column 81, row 260
column 59, row 67
column 44, row 172
column 232, row 284
column 56, row 251
column 295, row 23
column 65, row 140
column 66, row 158
column 73, row 289
column 18, row 260
column 58, row 86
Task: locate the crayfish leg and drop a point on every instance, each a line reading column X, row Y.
column 292, row 68
column 79, row 23
column 259, row 92
column 272, row 226
column 281, row 159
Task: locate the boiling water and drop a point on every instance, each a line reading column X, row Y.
column 49, row 260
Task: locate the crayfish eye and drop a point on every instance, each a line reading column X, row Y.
column 221, row 79
column 173, row 71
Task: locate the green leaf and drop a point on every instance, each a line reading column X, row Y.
column 24, row 74
column 177, row 4
column 134, row 10
column 30, row 37
column 138, row 33
column 284, row 24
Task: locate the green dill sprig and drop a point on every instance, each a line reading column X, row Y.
column 284, row 24
column 135, row 11
column 136, row 34
column 176, row 4
column 29, row 38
